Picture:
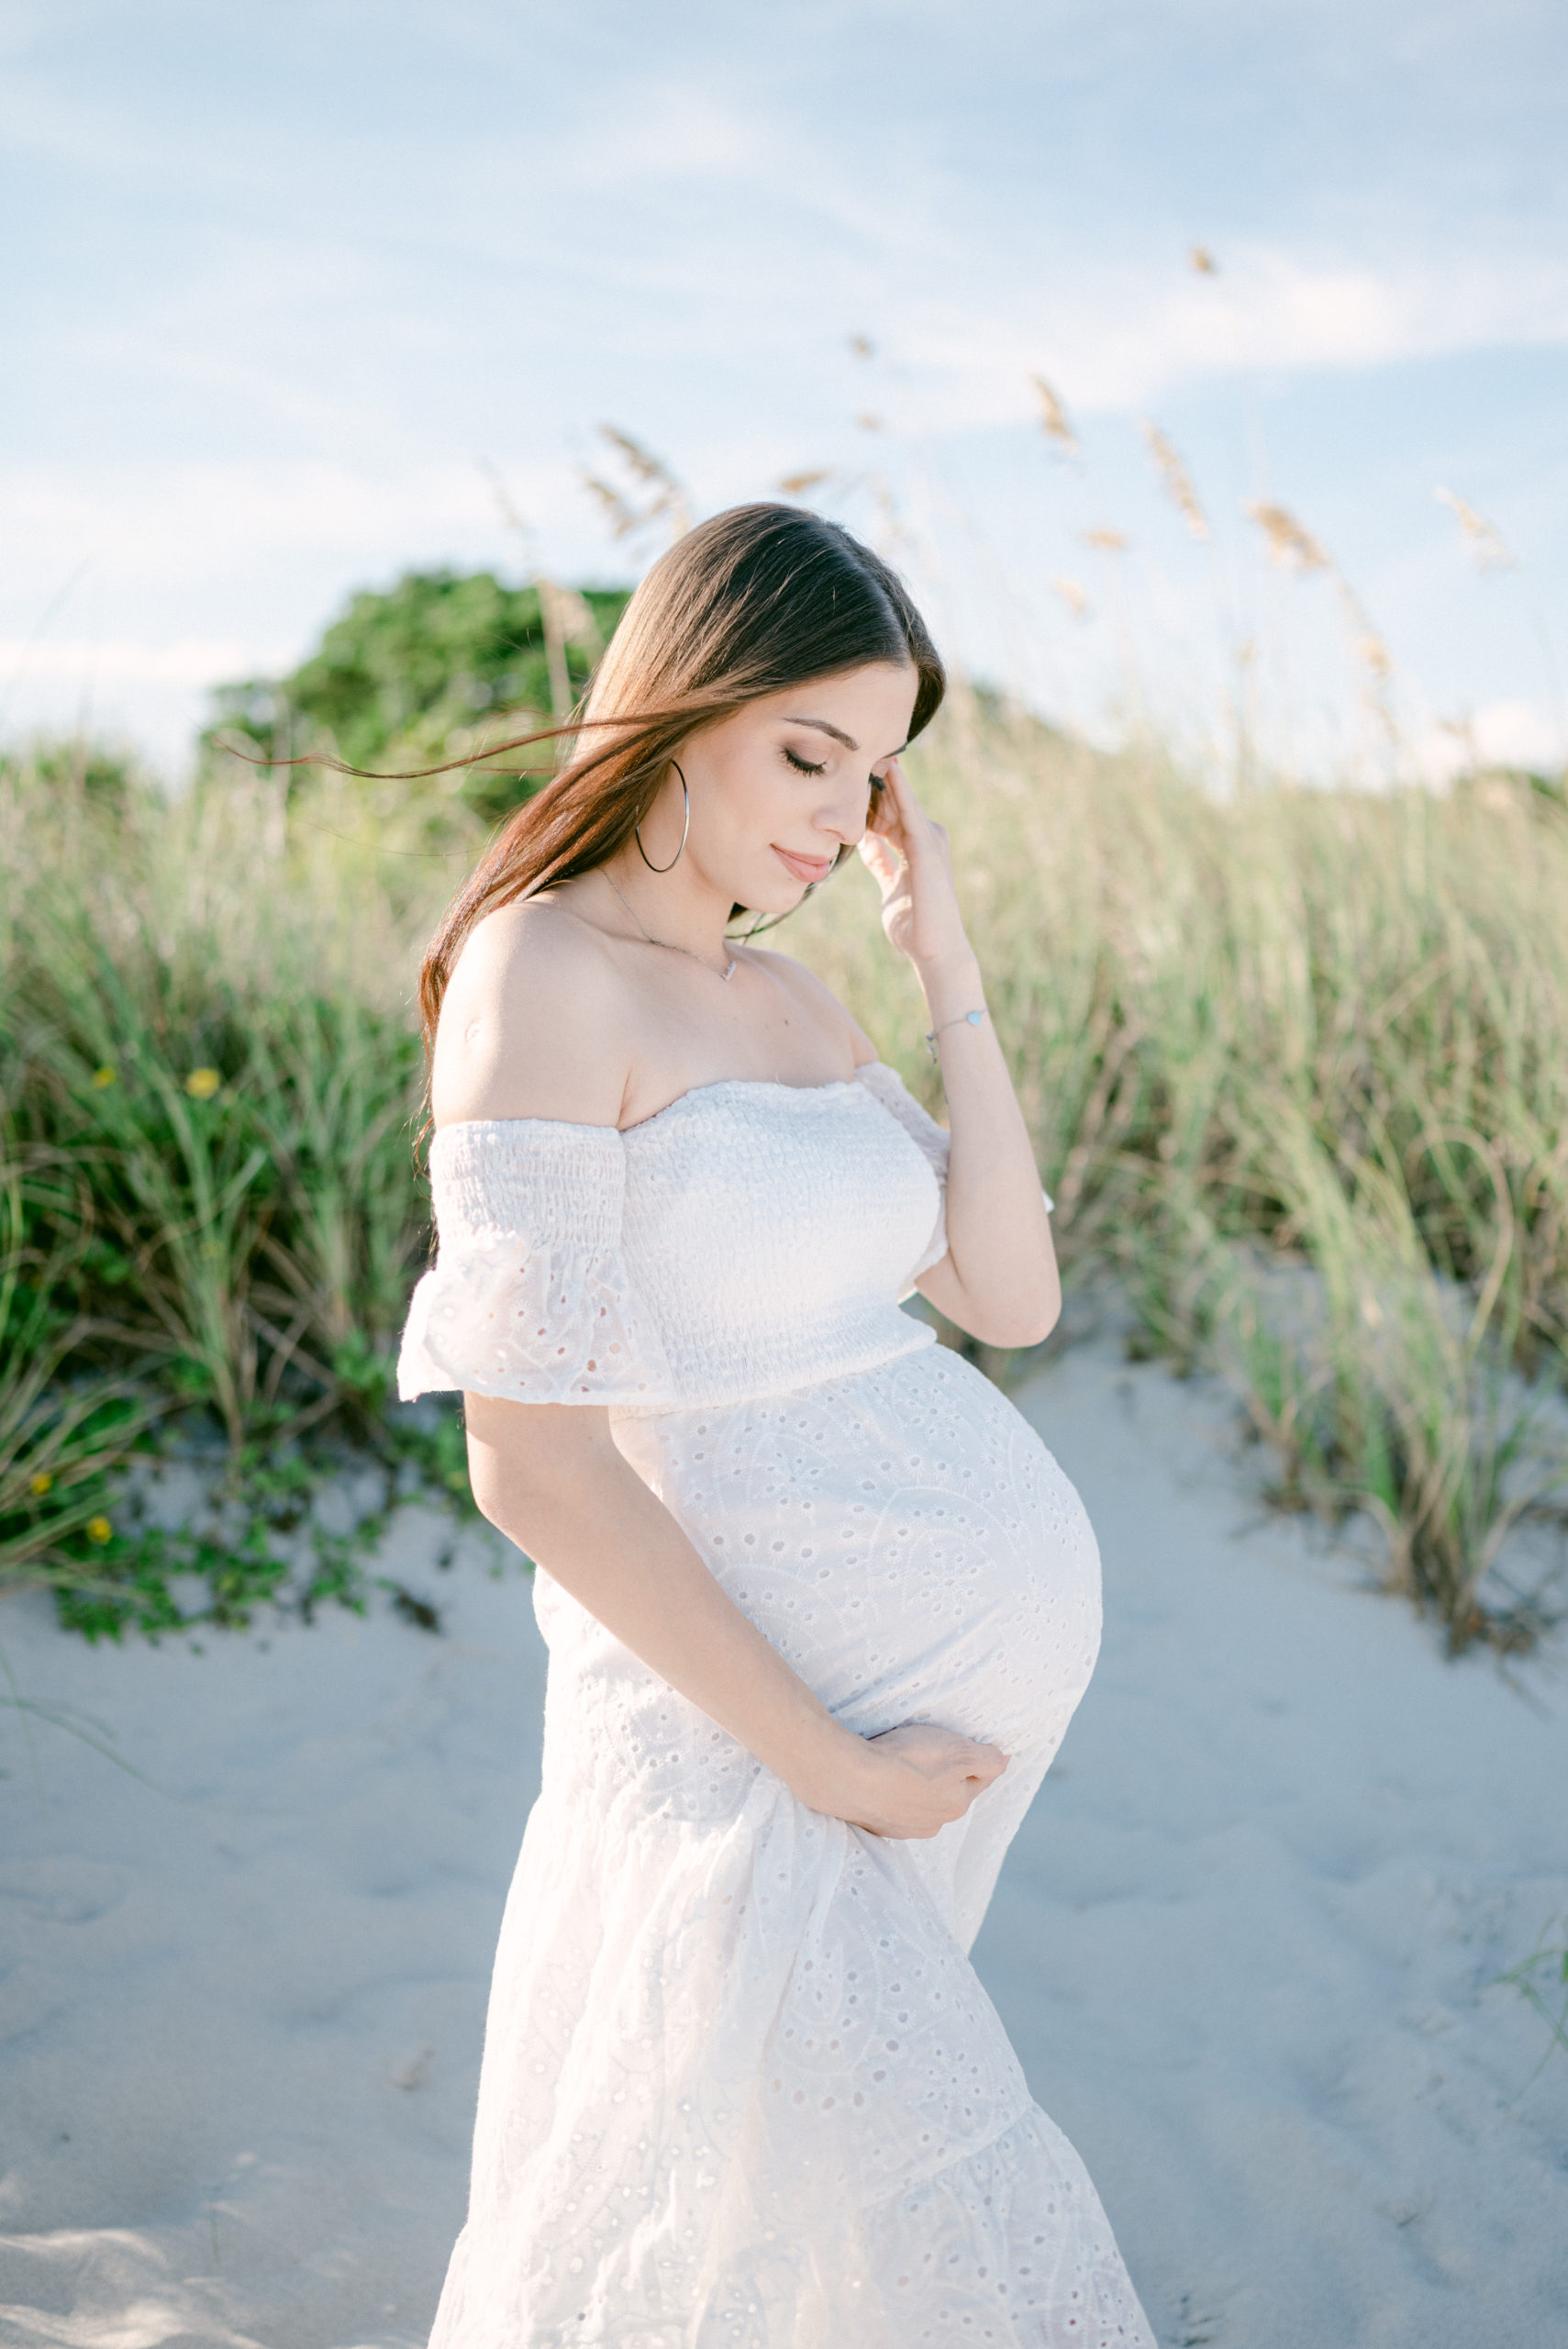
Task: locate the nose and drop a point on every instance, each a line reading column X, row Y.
column 845, row 815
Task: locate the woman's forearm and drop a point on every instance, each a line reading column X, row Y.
column 550, row 1477
column 999, row 1280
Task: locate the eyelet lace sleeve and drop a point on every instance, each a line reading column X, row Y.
column 529, row 1297
column 888, row 1087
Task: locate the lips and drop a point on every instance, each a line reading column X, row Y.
column 805, row 868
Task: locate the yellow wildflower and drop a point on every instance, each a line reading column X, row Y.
column 201, row 1083
column 104, row 1077
column 99, row 1530
column 41, row 1483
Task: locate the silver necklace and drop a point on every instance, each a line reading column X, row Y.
column 731, row 967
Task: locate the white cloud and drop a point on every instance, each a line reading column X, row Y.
column 1117, row 338
column 266, row 550
column 664, row 131
column 1516, row 733
column 180, row 524
column 80, row 660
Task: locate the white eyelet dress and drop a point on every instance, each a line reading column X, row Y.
column 742, row 2087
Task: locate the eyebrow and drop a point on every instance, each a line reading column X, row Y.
column 824, row 727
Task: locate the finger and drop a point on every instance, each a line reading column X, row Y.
column 903, row 790
column 897, row 791
column 884, row 822
column 912, row 822
column 883, row 860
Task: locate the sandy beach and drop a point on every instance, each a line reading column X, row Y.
column 1247, row 1944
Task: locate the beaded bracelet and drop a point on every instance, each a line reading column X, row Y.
column 964, row 1020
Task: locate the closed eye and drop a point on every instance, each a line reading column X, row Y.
column 803, row 766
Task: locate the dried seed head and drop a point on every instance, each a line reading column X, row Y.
column 1289, row 540
column 1177, row 480
column 641, row 462
column 1366, row 645
column 669, row 504
column 1373, row 655
column 797, row 484
column 1073, row 594
column 1489, row 550
column 1053, row 417
column 566, row 614
column 1107, row 540
column 1203, row 261
column 620, row 516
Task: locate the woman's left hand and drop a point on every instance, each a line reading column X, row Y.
column 908, row 856
column 998, row 1278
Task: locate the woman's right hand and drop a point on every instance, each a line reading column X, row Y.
column 917, row 1780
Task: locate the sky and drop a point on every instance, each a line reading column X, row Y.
column 304, row 297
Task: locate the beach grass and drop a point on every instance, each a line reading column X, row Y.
column 1297, row 1063
column 1296, row 1060
column 211, row 1098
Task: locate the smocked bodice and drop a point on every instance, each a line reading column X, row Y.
column 750, row 1239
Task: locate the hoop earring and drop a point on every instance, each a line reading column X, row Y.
column 685, row 828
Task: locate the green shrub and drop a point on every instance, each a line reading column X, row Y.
column 430, row 668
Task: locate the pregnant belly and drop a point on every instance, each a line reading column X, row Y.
column 903, row 1537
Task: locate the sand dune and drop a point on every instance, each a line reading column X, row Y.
column 1245, row 1943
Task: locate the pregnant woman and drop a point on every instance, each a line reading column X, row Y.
column 819, row 1605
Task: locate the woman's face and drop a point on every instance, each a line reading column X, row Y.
column 781, row 787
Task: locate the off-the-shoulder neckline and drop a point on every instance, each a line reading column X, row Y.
column 693, row 1092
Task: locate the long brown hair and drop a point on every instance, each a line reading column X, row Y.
column 755, row 600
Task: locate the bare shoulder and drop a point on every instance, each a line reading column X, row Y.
column 816, row 1000
column 535, row 1022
